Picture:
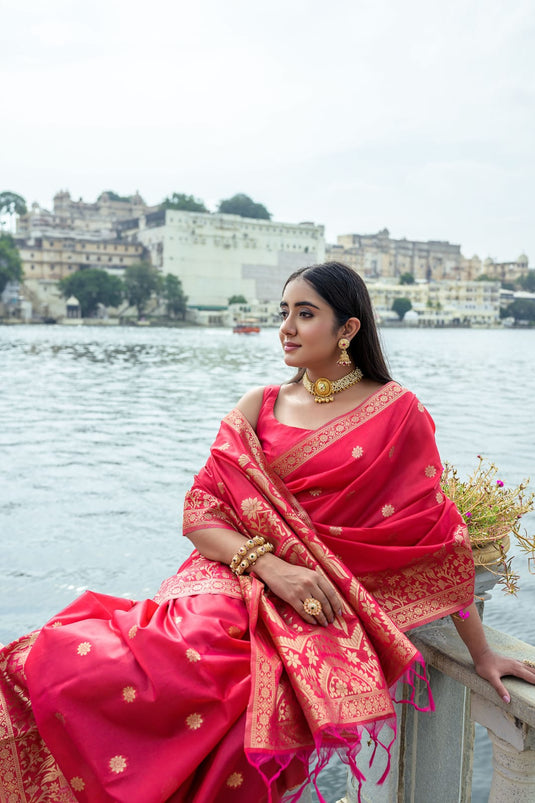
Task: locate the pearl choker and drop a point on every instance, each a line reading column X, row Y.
column 323, row 389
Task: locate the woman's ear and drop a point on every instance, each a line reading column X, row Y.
column 350, row 328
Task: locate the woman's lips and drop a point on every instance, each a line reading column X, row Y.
column 290, row 346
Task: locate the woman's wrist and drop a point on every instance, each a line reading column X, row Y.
column 265, row 566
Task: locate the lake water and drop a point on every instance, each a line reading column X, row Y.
column 102, row 429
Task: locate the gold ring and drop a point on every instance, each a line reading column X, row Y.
column 312, row 606
column 528, row 662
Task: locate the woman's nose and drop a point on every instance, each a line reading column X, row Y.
column 287, row 327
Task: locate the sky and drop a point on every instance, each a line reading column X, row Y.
column 416, row 116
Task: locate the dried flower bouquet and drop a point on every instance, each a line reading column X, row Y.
column 492, row 513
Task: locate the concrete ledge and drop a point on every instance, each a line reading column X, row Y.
column 442, row 648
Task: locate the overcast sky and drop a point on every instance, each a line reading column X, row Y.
column 413, row 115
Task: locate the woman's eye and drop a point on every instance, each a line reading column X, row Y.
column 305, row 314
column 283, row 314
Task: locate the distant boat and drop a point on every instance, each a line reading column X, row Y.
column 246, row 328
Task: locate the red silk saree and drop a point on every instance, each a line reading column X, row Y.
column 216, row 685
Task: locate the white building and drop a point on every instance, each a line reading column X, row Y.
column 217, row 256
column 446, row 303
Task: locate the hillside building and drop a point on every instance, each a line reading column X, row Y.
column 52, row 258
column 217, row 256
column 378, row 256
column 445, row 303
column 79, row 218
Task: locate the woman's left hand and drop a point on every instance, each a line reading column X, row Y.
column 492, row 666
column 489, row 664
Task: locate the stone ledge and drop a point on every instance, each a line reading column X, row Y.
column 443, row 649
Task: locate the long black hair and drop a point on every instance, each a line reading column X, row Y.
column 346, row 293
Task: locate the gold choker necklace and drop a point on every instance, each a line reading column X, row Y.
column 323, row 389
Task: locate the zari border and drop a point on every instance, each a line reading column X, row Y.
column 320, row 439
column 10, row 765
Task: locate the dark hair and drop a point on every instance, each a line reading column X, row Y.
column 345, row 291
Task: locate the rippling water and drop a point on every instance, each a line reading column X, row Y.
column 102, row 430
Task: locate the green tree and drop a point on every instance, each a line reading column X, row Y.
column 186, row 203
column 407, row 278
column 523, row 309
column 141, row 280
column 527, row 282
column 237, row 300
column 10, row 262
column 175, row 300
column 401, row 306
column 113, row 196
column 244, row 206
column 93, row 287
column 12, row 204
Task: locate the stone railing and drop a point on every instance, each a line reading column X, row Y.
column 433, row 755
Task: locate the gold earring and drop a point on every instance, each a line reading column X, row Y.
column 344, row 358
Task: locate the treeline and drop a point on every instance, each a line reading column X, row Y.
column 239, row 204
column 140, row 283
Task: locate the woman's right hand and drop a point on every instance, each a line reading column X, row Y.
column 295, row 584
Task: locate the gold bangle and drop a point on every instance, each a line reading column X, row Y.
column 251, row 558
column 251, row 543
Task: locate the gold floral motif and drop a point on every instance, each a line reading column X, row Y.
column 194, row 721
column 430, row 471
column 292, row 658
column 235, row 780
column 387, row 510
column 117, row 764
column 357, row 452
column 60, row 717
column 243, row 459
column 335, row 530
column 421, row 408
column 78, row 784
column 391, row 451
column 129, row 694
column 251, row 506
column 439, row 498
column 192, row 655
column 315, row 492
column 178, row 620
column 56, row 624
column 235, row 632
column 84, row 648
column 224, row 446
column 132, row 632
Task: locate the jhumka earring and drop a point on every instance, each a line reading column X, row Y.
column 344, row 358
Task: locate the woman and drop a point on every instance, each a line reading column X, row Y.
column 320, row 535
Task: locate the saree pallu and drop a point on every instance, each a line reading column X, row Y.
column 374, row 475
column 216, row 686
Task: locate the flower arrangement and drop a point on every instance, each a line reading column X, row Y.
column 492, row 513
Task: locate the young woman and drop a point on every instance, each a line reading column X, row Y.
column 321, row 535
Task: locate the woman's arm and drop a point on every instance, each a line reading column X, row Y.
column 489, row 664
column 293, row 584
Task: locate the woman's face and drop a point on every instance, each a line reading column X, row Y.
column 309, row 332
